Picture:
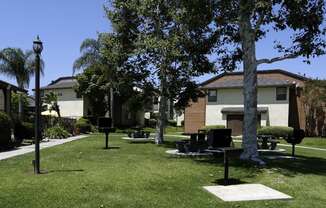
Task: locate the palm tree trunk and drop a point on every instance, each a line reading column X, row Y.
column 20, row 104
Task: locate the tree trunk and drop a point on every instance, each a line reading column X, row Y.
column 249, row 140
column 112, row 106
column 159, row 139
column 58, row 111
column 20, row 104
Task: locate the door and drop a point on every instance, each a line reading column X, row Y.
column 235, row 122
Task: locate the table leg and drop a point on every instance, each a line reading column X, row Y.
column 106, row 140
column 264, row 143
column 226, row 169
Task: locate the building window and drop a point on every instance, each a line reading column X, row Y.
column 59, row 94
column 281, row 93
column 212, row 96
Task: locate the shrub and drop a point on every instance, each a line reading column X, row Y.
column 276, row 131
column 67, row 123
column 207, row 128
column 182, row 123
column 5, row 130
column 172, row 123
column 83, row 126
column 56, row 132
column 23, row 130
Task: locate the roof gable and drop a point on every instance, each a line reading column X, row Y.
column 61, row 83
column 275, row 77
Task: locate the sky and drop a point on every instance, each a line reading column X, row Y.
column 63, row 24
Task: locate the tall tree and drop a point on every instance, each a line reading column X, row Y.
column 241, row 23
column 102, row 61
column 91, row 57
column 171, row 40
column 92, row 85
column 20, row 65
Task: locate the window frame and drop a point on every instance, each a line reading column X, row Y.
column 277, row 94
column 209, row 98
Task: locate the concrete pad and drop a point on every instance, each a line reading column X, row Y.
column 246, row 192
column 194, row 154
column 272, row 151
column 276, row 157
column 150, row 139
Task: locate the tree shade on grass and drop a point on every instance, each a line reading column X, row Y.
column 83, row 174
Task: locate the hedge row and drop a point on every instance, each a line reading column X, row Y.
column 209, row 127
column 276, row 131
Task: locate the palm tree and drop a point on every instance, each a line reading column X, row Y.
column 91, row 56
column 90, row 50
column 19, row 65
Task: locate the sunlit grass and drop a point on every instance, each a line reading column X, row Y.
column 83, row 174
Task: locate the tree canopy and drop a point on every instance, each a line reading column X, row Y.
column 170, row 42
column 239, row 24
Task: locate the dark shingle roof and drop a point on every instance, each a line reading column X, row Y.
column 62, row 83
column 262, row 82
column 4, row 84
column 280, row 71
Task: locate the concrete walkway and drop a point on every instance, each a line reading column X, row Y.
column 30, row 148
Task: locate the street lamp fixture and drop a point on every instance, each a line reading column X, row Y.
column 37, row 47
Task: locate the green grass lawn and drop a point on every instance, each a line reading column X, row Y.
column 83, row 174
column 312, row 142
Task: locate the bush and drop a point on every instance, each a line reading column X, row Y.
column 172, row 123
column 207, row 128
column 5, row 130
column 56, row 132
column 276, row 131
column 83, row 126
column 182, row 123
column 67, row 123
column 23, row 130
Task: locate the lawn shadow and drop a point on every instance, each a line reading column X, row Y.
column 231, row 181
column 286, row 166
column 169, row 144
column 110, row 147
column 66, row 171
column 62, row 171
column 300, row 164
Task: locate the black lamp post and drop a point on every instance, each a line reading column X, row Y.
column 37, row 47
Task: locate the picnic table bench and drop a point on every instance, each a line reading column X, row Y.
column 228, row 152
column 264, row 140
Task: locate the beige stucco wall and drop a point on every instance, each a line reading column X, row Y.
column 277, row 115
column 70, row 106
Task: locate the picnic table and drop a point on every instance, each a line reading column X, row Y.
column 265, row 140
column 228, row 152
